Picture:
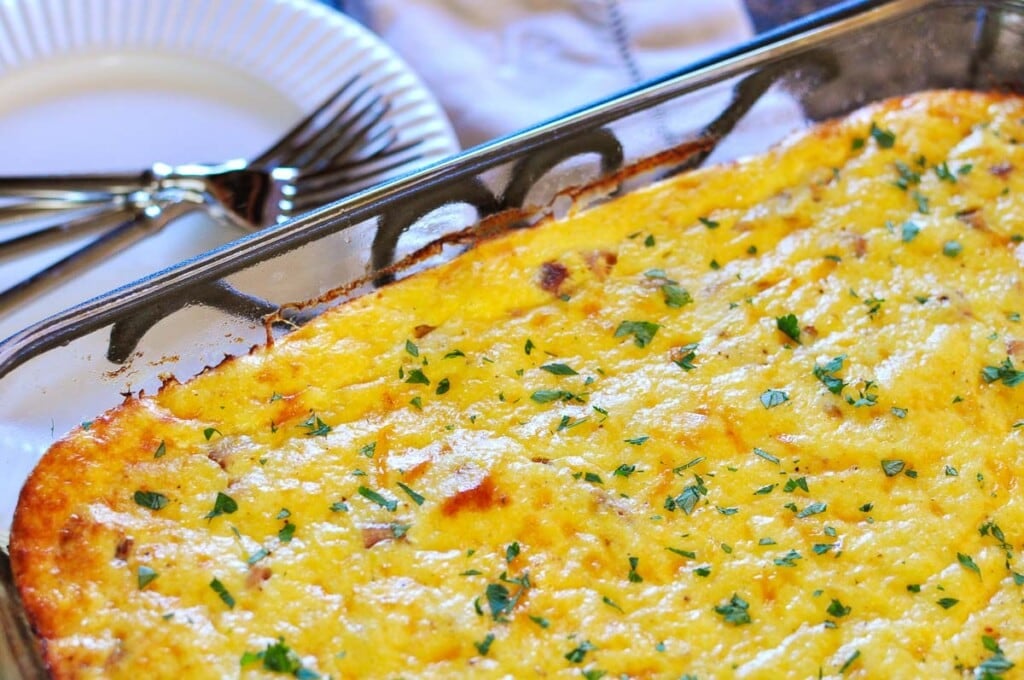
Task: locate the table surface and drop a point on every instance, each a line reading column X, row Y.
column 767, row 14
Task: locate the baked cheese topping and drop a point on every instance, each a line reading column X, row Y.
column 763, row 420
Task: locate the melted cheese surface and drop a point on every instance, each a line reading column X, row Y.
column 596, row 447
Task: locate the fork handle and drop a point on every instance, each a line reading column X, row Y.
column 89, row 186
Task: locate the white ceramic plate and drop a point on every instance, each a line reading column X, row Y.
column 93, row 85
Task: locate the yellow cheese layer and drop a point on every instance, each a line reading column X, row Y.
column 763, row 420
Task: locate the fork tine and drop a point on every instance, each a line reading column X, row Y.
column 287, row 141
column 335, row 183
column 364, row 128
column 303, row 156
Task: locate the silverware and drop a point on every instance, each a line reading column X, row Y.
column 337, row 149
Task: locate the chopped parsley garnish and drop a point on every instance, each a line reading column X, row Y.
column 790, row 326
column 222, row 593
column 687, row 500
column 633, row 576
column 826, row 373
column 411, row 348
column 500, row 601
column 160, row 450
column 151, row 500
column 943, row 172
column 837, row 609
column 1006, row 372
column 709, row 223
column 558, row 369
column 146, row 575
column 209, row 432
column 512, row 552
column 279, row 658
column 642, row 331
column 884, row 138
column 909, row 231
column 675, row 296
column 865, row 395
column 767, row 456
column 898, row 412
column 683, row 553
column 892, row 467
column 416, row 376
column 788, row 560
column 286, row 533
column 922, row 202
column 371, row 495
column 484, row 645
column 577, row 655
column 952, row 248
column 812, row 509
column 222, row 505
column 592, row 477
column 735, row 611
column 967, row 562
column 416, row 498
column 257, row 556
column 624, row 470
column 794, row 484
column 685, row 356
column 637, row 441
column 443, row 385
column 315, row 427
column 849, row 661
column 947, row 602
column 548, row 396
column 339, row 506
column 540, row 621
column 454, row 354
column 649, row 241
column 771, row 398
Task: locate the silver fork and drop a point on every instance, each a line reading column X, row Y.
column 342, row 146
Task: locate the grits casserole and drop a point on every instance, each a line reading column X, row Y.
column 761, row 420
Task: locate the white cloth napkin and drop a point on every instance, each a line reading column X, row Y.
column 498, row 67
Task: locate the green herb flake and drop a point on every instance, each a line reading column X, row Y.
column 788, row 560
column 222, row 505
column 649, row 241
column 812, row 509
column 558, row 369
column 371, row 495
column 909, row 231
column 709, row 223
column 286, row 533
column 151, row 500
column 633, row 576
column 790, row 326
column 642, row 331
column 849, row 662
column 161, row 450
column 837, row 609
column 771, row 398
column 592, row 477
column 892, row 467
column 411, row 348
column 624, row 470
column 484, row 645
column 315, row 427
column 952, row 248
column 416, row 376
column 209, row 432
column 580, row 652
column 145, row 575
column 222, row 593
column 765, row 490
column 540, row 621
column 794, row 484
column 637, row 441
column 884, row 138
column 1005, row 372
column 736, row 611
column 416, row 498
column 826, row 373
column 257, row 556
column 683, row 553
column 767, row 456
column 967, row 562
column 898, row 412
column 675, row 296
column 947, row 602
column 443, row 385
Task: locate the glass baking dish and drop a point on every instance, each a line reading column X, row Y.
column 76, row 364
